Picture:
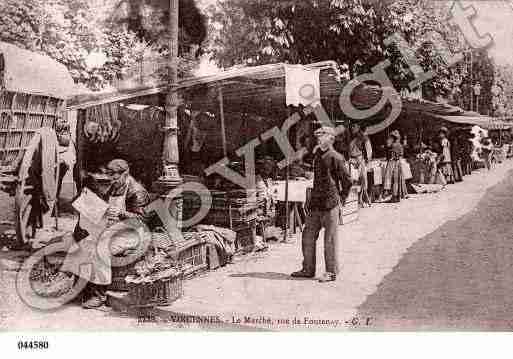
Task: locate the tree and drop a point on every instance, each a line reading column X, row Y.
column 70, row 31
column 351, row 32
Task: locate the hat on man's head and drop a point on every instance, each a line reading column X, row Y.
column 395, row 134
column 325, row 130
column 118, row 166
column 443, row 129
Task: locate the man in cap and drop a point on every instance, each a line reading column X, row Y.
column 126, row 199
column 331, row 187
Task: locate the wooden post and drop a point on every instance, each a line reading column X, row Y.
column 223, row 124
column 287, row 172
column 80, row 165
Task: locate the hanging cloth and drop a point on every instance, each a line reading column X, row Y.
column 302, row 86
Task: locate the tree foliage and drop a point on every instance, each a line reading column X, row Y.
column 70, row 31
column 351, row 32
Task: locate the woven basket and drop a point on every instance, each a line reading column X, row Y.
column 162, row 292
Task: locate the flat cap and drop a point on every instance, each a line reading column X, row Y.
column 118, row 166
column 325, row 130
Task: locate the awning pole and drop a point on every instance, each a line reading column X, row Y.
column 287, row 171
column 221, row 116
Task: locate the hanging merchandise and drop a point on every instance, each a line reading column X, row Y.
column 102, row 123
column 302, row 86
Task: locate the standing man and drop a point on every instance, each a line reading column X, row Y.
column 360, row 152
column 331, row 187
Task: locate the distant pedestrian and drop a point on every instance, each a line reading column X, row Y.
column 486, row 150
column 445, row 158
column 360, row 152
column 394, row 183
column 332, row 183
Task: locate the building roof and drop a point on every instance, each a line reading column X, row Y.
column 29, row 72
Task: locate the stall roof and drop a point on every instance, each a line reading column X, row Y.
column 242, row 87
column 488, row 123
column 261, row 90
column 29, row 72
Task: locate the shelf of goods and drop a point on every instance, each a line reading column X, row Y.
column 235, row 209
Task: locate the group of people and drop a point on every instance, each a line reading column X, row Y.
column 333, row 180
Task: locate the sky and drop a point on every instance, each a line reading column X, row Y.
column 496, row 18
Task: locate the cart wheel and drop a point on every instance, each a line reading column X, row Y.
column 29, row 212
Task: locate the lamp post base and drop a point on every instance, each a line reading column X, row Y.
column 169, row 181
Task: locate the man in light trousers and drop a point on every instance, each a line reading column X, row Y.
column 332, row 183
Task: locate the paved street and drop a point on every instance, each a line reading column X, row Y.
column 438, row 261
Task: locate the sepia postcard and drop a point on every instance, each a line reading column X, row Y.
column 255, row 166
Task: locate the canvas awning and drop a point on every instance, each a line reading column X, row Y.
column 488, row 123
column 258, row 89
column 32, row 73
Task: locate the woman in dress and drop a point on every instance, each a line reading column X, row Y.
column 394, row 184
column 445, row 158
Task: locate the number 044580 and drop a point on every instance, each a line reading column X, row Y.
column 32, row 345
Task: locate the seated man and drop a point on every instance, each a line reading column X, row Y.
column 126, row 199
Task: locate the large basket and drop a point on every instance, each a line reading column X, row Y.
column 162, row 292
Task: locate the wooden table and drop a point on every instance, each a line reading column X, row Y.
column 296, row 198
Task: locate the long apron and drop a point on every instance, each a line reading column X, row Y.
column 92, row 259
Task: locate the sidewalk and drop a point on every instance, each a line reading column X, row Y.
column 259, row 286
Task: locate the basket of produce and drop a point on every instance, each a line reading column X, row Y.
column 160, row 289
column 157, row 280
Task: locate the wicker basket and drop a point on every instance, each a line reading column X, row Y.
column 118, row 283
column 193, row 259
column 162, row 292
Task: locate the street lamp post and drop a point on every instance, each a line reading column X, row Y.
column 170, row 178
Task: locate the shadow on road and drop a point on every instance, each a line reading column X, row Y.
column 458, row 277
column 267, row 275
